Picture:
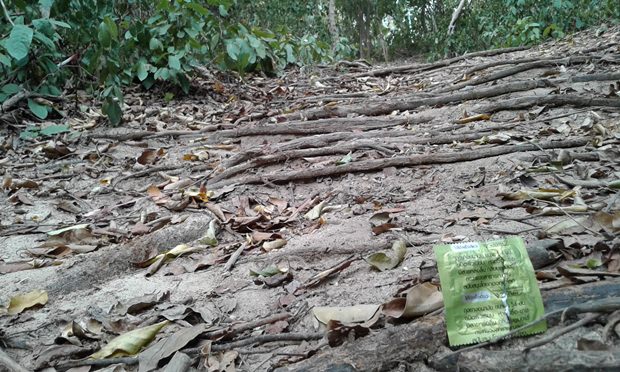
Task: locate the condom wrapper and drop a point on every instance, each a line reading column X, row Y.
column 488, row 290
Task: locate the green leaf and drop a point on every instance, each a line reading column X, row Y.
column 59, row 23
column 223, row 11
column 174, row 62
column 142, row 72
column 111, row 27
column 5, row 60
column 346, row 159
column 112, row 110
column 37, row 109
column 54, row 129
column 44, row 40
column 233, row 50
column 198, row 8
column 18, row 43
column 155, row 44
column 28, row 134
column 267, row 271
column 103, row 35
column 45, row 6
column 10, row 89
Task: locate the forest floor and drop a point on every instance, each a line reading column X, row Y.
column 300, row 179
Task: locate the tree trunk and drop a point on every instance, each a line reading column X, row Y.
column 333, row 28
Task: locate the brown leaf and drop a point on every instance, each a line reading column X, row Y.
column 420, row 300
column 166, row 347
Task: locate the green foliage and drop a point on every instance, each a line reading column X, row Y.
column 108, row 45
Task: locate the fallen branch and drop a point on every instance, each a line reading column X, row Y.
column 399, row 161
column 562, row 331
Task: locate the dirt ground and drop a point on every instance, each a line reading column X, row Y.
column 308, row 174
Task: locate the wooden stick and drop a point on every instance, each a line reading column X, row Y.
column 7, row 362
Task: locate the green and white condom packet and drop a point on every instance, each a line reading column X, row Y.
column 488, row 289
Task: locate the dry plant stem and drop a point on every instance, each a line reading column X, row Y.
column 232, row 330
column 542, row 341
column 399, row 161
column 262, row 339
column 96, row 363
column 569, row 216
column 7, row 362
column 234, row 257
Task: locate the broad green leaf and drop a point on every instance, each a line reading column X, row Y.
column 113, row 111
column 142, row 72
column 103, row 35
column 10, row 89
column 45, row 6
column 27, row 134
column 37, row 109
column 198, row 8
column 223, row 11
column 5, row 60
column 18, row 43
column 25, row 301
column 129, row 343
column 59, row 23
column 111, row 27
column 155, row 44
column 174, row 62
column 44, row 40
column 54, row 129
column 232, row 48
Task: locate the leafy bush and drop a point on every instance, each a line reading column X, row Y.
column 51, row 45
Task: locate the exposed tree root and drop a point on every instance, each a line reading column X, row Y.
column 400, row 161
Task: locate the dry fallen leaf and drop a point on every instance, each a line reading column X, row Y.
column 129, row 343
column 381, row 261
column 345, row 314
column 25, row 301
column 420, row 300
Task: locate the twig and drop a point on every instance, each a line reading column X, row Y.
column 562, row 331
column 263, row 339
column 234, row 257
column 229, row 331
column 5, row 360
column 6, row 13
column 97, row 363
column 569, row 216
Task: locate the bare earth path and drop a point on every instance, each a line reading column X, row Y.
column 305, row 176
